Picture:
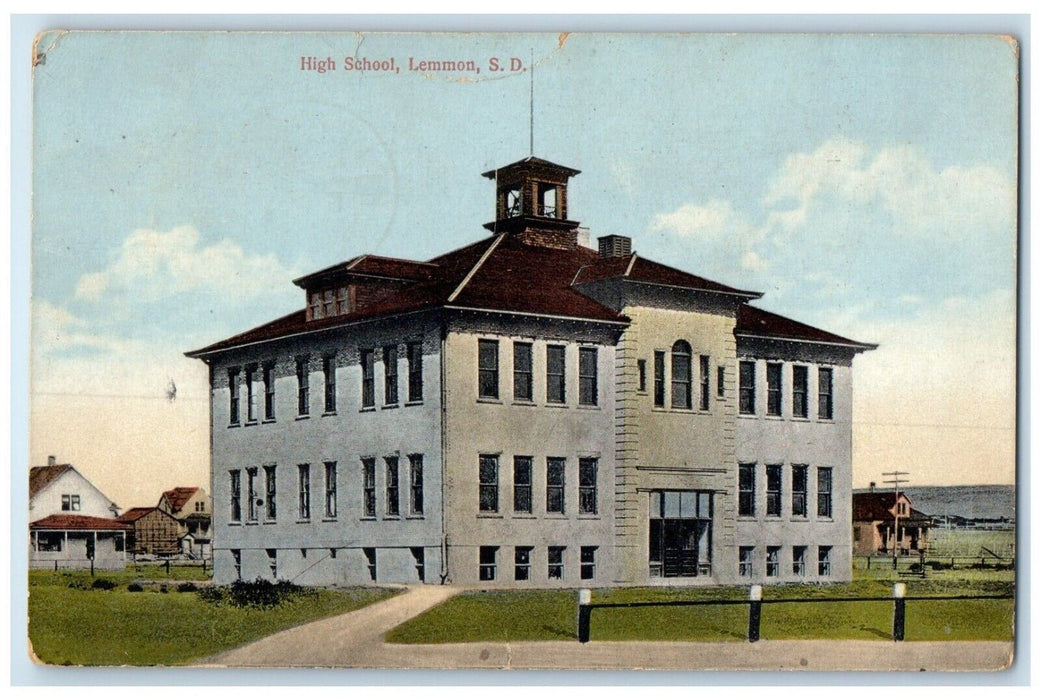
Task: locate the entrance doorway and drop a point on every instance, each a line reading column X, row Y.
column 680, row 530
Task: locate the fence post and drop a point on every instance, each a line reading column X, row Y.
column 899, row 589
column 585, row 596
column 168, row 568
column 755, row 610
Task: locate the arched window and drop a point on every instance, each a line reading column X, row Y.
column 681, row 374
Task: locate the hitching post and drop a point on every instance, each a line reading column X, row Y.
column 585, row 597
column 755, row 611
column 899, row 589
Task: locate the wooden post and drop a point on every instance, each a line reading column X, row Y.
column 584, row 598
column 898, row 611
column 755, row 611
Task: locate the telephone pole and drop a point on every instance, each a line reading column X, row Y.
column 896, row 480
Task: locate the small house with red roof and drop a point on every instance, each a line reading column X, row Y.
column 192, row 508
column 153, row 531
column 527, row 411
column 884, row 521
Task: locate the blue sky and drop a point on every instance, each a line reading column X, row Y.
column 863, row 183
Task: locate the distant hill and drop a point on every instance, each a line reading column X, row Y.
column 972, row 502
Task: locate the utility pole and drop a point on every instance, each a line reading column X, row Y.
column 896, row 481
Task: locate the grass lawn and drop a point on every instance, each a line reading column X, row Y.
column 551, row 615
column 117, row 627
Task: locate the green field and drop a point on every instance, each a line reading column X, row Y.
column 551, row 615
column 82, row 626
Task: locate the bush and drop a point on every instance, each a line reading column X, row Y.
column 187, row 587
column 135, row 588
column 164, row 589
column 103, row 584
column 213, row 594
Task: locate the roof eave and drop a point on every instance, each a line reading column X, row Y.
column 859, row 347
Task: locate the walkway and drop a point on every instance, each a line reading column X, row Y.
column 355, row 640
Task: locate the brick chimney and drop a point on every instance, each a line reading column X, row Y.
column 51, row 460
column 615, row 246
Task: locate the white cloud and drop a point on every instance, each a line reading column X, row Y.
column 751, row 261
column 709, row 221
column 153, row 265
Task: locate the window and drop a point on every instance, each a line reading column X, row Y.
column 746, row 490
column 251, row 399
column 555, row 484
column 556, row 562
column 70, row 501
column 514, row 202
column 419, row 558
column 251, row 494
column 272, row 562
column 315, row 306
column 587, row 380
column 330, row 489
column 747, row 387
column 522, row 484
column 773, row 388
column 799, row 409
column 233, row 391
column 587, row 485
column 773, row 490
column 681, row 374
column 522, row 563
column 824, row 393
column 330, row 303
column 393, row 490
column 329, row 370
column 824, row 492
column 799, row 479
column 488, row 369
column 486, row 568
column 415, row 371
column 236, row 495
column 270, row 485
column 49, row 541
column 641, row 375
column 304, row 472
column 547, row 200
column 343, row 300
column 370, row 560
column 799, row 561
column 706, row 382
column 390, row 375
column 555, row 379
column 488, row 489
column 368, row 379
column 744, row 562
column 368, row 468
column 415, row 480
column 587, row 565
column 680, row 533
column 773, row 561
column 236, row 557
column 303, row 391
column 522, row 372
column 824, row 561
column 659, row 378
column 269, row 392
column 721, row 376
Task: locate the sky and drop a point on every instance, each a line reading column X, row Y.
column 865, row 184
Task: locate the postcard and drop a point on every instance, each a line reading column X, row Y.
column 523, row 351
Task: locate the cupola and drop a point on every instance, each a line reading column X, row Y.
column 531, row 201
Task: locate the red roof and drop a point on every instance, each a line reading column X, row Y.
column 77, row 522
column 638, row 269
column 756, row 322
column 40, row 477
column 878, row 505
column 135, row 514
column 178, row 496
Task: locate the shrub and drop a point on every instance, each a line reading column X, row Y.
column 261, row 593
column 135, row 587
column 103, row 584
column 164, row 589
column 187, row 587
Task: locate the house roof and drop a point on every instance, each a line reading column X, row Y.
column 878, row 505
column 640, row 269
column 372, row 266
column 180, row 495
column 753, row 322
column 77, row 522
column 135, row 514
column 530, row 162
column 41, row 477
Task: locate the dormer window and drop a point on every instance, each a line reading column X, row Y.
column 315, row 306
column 330, row 303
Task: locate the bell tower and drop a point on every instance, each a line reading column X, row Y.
column 531, row 202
